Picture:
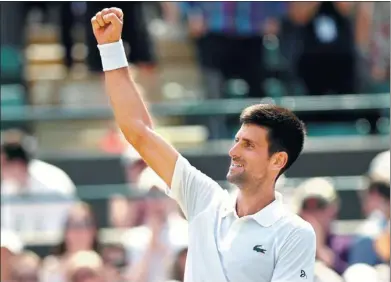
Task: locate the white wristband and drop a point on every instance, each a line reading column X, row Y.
column 113, row 56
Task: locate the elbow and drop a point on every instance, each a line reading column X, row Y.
column 135, row 131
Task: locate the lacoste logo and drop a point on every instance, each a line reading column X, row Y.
column 259, row 249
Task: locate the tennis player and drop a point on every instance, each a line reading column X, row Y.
column 251, row 238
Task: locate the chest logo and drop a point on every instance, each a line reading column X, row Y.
column 259, row 249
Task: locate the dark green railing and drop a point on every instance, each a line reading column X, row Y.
column 205, row 107
column 103, row 192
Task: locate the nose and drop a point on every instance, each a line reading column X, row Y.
column 233, row 152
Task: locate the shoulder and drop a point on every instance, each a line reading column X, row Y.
column 298, row 229
column 51, row 176
column 41, row 168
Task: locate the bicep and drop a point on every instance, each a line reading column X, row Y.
column 296, row 262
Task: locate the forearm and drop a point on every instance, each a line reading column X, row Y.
column 129, row 109
column 125, row 97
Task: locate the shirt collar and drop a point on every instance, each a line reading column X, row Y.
column 265, row 217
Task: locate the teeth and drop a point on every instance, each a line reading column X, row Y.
column 237, row 165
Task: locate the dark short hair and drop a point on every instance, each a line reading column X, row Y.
column 15, row 152
column 286, row 133
column 380, row 187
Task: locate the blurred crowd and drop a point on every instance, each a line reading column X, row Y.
column 240, row 49
column 153, row 242
column 323, row 47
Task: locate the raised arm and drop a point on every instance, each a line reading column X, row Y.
column 130, row 111
column 193, row 190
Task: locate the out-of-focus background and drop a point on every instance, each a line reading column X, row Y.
column 78, row 204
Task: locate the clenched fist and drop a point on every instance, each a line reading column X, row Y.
column 107, row 25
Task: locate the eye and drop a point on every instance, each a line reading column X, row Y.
column 248, row 145
column 236, row 140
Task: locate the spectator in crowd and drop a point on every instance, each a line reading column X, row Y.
column 178, row 271
column 379, row 52
column 85, row 266
column 325, row 274
column 22, row 175
column 382, row 244
column 373, row 44
column 113, row 141
column 376, row 204
column 232, row 46
column 26, row 268
column 42, row 174
column 133, row 165
column 318, row 204
column 153, row 246
column 115, row 262
column 71, row 13
column 11, row 247
column 123, row 212
column 327, row 61
column 126, row 212
column 360, row 272
column 80, row 234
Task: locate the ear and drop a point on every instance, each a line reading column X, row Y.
column 279, row 160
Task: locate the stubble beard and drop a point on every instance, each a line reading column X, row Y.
column 238, row 179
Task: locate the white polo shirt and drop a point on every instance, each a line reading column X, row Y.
column 272, row 245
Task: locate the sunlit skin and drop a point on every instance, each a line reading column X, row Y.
column 253, row 170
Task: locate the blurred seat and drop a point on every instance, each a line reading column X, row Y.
column 12, row 95
column 11, row 65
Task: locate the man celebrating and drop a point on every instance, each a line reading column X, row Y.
column 250, row 239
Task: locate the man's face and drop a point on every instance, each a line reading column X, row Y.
column 16, row 171
column 325, row 216
column 133, row 170
column 250, row 161
column 373, row 201
column 157, row 208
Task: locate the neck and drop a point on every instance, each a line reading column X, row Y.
column 250, row 203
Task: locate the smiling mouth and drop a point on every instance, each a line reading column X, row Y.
column 236, row 165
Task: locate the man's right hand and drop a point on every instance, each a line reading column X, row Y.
column 107, row 25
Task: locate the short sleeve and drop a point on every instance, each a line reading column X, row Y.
column 296, row 261
column 193, row 190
